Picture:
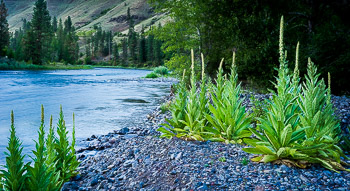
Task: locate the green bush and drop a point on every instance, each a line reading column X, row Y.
column 54, row 160
column 161, row 70
column 151, row 75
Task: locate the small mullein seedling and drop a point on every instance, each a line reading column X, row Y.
column 244, row 161
column 222, row 159
column 14, row 173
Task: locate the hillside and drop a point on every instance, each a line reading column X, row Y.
column 109, row 14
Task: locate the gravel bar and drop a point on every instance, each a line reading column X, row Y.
column 136, row 159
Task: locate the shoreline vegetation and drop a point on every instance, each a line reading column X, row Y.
column 13, row 65
column 291, row 140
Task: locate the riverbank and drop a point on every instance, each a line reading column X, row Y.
column 136, row 159
column 8, row 64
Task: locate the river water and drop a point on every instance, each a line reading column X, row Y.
column 103, row 100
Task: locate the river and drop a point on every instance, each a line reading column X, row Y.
column 102, row 99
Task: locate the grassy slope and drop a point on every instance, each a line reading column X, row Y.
column 85, row 13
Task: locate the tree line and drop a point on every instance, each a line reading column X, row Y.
column 43, row 40
column 137, row 49
column 216, row 28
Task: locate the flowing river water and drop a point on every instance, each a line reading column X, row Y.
column 102, row 99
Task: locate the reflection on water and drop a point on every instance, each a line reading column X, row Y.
column 102, row 99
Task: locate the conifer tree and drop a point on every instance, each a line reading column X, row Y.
column 125, row 51
column 149, row 47
column 132, row 38
column 116, row 54
column 54, row 24
column 88, row 51
column 39, row 37
column 142, row 47
column 110, row 42
column 4, row 29
column 60, row 40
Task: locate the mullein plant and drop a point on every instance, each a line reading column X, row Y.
column 65, row 154
column 192, row 107
column 194, row 118
column 289, row 133
column 228, row 120
column 14, row 174
column 50, row 161
column 323, row 129
column 178, row 111
column 40, row 174
column 54, row 160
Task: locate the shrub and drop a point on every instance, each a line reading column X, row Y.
column 151, row 75
column 161, row 70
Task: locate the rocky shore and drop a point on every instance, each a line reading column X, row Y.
column 136, row 159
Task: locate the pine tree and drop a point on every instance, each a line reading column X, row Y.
column 54, row 24
column 132, row 38
column 110, row 43
column 125, row 51
column 4, row 29
column 60, row 40
column 142, row 48
column 103, row 46
column 71, row 46
column 39, row 36
column 116, row 54
column 88, row 52
column 149, row 47
column 157, row 52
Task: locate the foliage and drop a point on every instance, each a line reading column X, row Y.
column 289, row 133
column 161, row 70
column 152, row 75
column 216, row 27
column 14, row 174
column 10, row 64
column 228, row 119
